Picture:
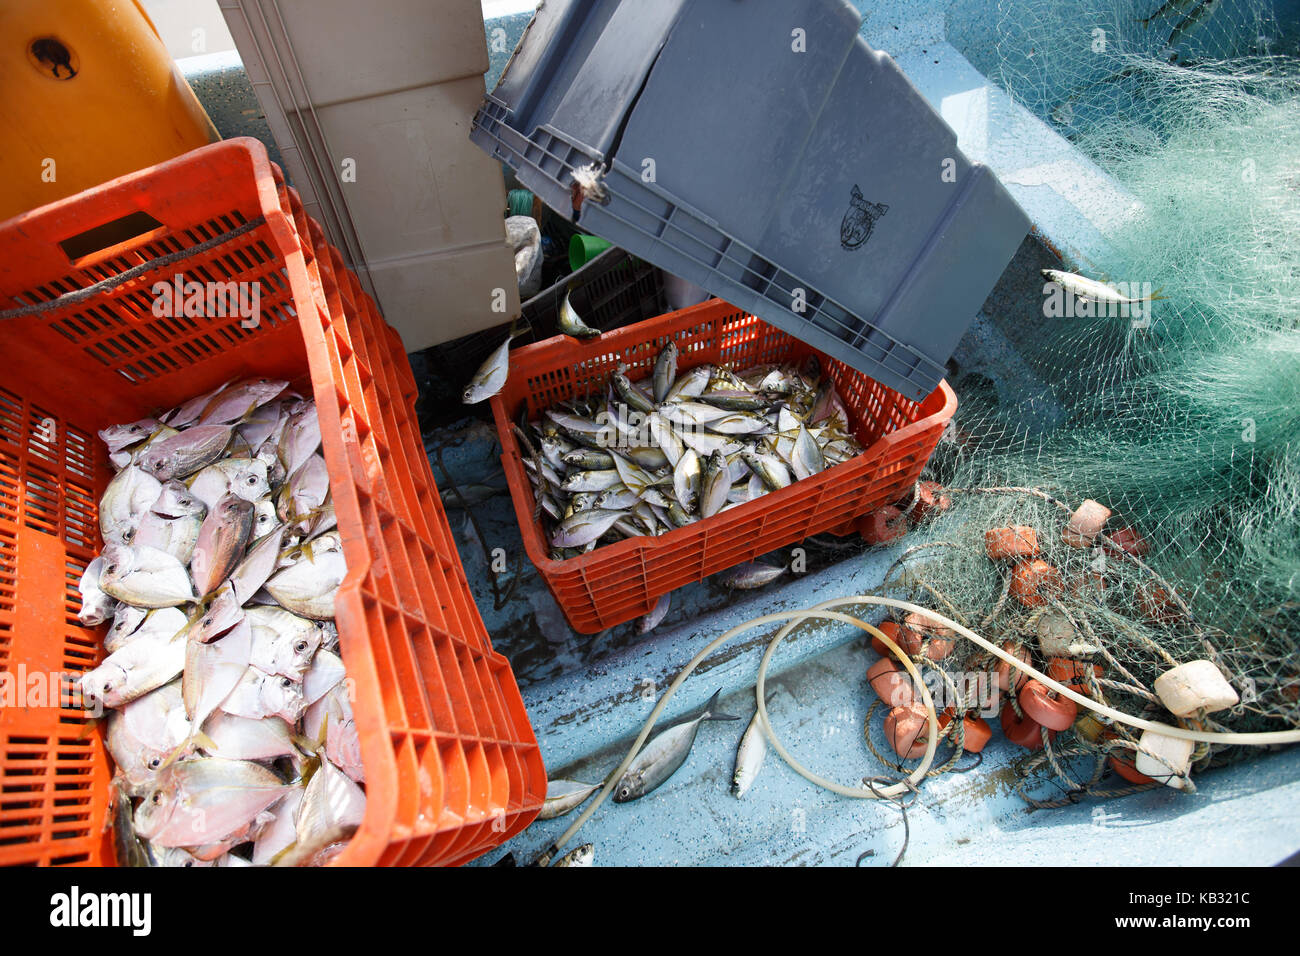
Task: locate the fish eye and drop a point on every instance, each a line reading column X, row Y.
column 300, row 646
column 156, row 798
column 207, row 622
column 285, row 682
column 252, row 479
column 134, row 428
column 188, row 863
column 625, row 792
column 186, row 502
column 153, row 764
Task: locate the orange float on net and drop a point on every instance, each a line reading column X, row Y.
column 930, row 500
column 1121, row 761
column 912, row 634
column 1043, row 706
column 882, row 525
column 976, row 732
column 1022, row 731
column 1015, row 542
column 1085, row 524
column 1127, row 539
column 890, row 630
column 1073, row 674
column 892, row 684
column 907, row 730
column 1033, row 582
column 1003, row 672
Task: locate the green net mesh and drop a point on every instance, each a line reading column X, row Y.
column 1187, row 426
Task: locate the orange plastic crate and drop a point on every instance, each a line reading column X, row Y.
column 452, row 764
column 617, row 582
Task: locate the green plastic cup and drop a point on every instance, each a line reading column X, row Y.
column 584, row 248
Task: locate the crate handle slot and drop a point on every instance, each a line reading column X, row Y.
column 100, row 242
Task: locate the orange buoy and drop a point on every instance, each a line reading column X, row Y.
column 882, row 525
column 890, row 630
column 1129, row 540
column 976, row 732
column 912, row 634
column 1045, row 707
column 892, row 684
column 1073, row 674
column 1033, row 582
column 1124, row 766
column 1022, row 731
column 907, row 730
column 1017, row 541
column 1002, row 672
column 1085, row 524
column 930, row 500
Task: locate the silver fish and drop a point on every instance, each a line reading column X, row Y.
column 330, row 720
column 222, row 539
column 185, row 453
column 570, row 324
column 263, row 423
column 222, row 614
column 665, row 373
column 740, row 423
column 714, row 485
column 286, row 653
column 241, row 738
column 143, row 733
column 770, row 470
column 212, row 672
column 752, row 574
column 205, row 799
column 686, row 480
column 565, row 796
column 749, row 757
column 657, row 614
column 691, row 384
column 237, row 402
column 665, row 438
column 308, row 586
column 580, row 856
column 96, row 606
column 126, row 623
column 491, row 376
column 584, row 527
column 117, row 437
column 631, row 394
column 173, row 523
column 133, row 671
column 258, row 695
column 279, row 834
column 145, row 577
column 189, row 413
column 806, row 460
column 331, row 801
column 300, row 438
column 325, row 673
column 246, row 478
column 257, row 565
column 126, row 499
column 1190, row 24
column 303, row 496
column 665, row 752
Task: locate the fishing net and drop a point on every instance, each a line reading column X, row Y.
column 1186, row 424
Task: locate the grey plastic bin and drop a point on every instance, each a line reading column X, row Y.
column 781, row 178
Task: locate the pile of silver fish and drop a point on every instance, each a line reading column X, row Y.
column 230, row 719
column 647, row 458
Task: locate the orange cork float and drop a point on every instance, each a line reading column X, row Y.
column 930, row 501
column 882, row 525
column 892, row 684
column 1009, row 678
column 907, row 730
column 890, row 630
column 1013, row 543
column 1022, row 731
column 976, row 732
column 1085, row 524
column 1033, row 582
column 911, row 637
column 1044, row 706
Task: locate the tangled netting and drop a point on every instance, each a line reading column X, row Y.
column 1186, row 426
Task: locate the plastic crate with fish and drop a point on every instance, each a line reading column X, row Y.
column 618, row 581
column 451, row 764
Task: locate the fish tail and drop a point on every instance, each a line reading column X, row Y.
column 1156, row 296
column 710, row 709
